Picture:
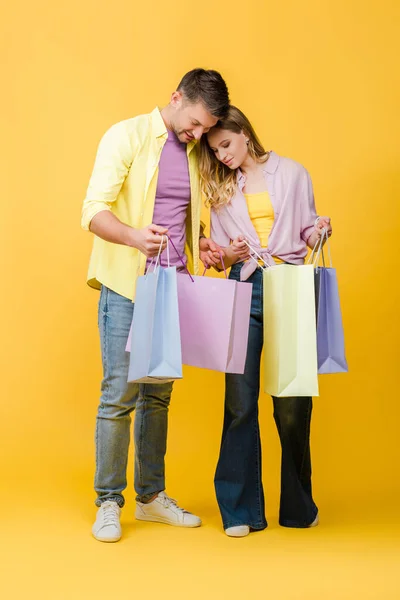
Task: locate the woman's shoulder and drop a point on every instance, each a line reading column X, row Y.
column 288, row 166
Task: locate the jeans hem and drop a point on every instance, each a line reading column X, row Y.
column 120, row 501
column 255, row 526
column 296, row 524
column 146, row 497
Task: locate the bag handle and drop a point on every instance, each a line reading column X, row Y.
column 158, row 258
column 178, row 255
column 319, row 249
column 222, row 263
column 256, row 253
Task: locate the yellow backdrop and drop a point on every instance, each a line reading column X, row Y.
column 319, row 82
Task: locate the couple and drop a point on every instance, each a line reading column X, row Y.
column 154, row 168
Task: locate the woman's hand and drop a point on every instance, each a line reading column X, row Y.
column 240, row 249
column 323, row 223
column 210, row 253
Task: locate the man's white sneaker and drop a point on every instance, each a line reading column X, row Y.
column 238, row 531
column 107, row 527
column 164, row 509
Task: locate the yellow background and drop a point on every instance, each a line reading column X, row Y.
column 319, row 82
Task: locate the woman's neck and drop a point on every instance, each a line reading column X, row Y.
column 249, row 166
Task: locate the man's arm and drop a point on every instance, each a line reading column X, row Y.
column 147, row 240
column 113, row 161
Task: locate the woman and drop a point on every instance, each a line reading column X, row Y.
column 264, row 201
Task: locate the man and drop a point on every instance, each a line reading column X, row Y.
column 145, row 172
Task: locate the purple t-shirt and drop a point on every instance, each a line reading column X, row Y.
column 173, row 196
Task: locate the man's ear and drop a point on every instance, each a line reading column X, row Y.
column 176, row 99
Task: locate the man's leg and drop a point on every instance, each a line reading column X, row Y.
column 117, row 401
column 151, row 426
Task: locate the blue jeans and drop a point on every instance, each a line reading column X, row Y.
column 238, row 482
column 118, row 400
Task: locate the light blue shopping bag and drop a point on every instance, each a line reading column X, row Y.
column 155, row 344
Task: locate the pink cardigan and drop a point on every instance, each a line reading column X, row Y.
column 290, row 189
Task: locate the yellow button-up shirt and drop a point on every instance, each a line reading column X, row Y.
column 124, row 181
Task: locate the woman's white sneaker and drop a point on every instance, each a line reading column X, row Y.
column 238, row 531
column 164, row 509
column 107, row 527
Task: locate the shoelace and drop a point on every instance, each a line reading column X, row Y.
column 167, row 501
column 110, row 513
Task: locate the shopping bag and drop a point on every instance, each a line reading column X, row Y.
column 290, row 348
column 330, row 335
column 214, row 318
column 154, row 340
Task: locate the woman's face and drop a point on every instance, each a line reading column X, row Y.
column 229, row 147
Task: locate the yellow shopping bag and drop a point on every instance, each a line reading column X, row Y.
column 290, row 340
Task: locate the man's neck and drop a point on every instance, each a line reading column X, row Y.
column 166, row 117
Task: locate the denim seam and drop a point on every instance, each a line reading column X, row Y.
column 258, row 468
column 139, row 446
column 256, row 427
column 103, row 316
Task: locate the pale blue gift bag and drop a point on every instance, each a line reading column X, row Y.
column 155, row 339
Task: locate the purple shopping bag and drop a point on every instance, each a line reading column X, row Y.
column 214, row 317
column 330, row 335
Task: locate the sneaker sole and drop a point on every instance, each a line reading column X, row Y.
column 237, row 535
column 166, row 522
column 106, row 540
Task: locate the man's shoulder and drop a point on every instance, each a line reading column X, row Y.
column 134, row 124
column 131, row 133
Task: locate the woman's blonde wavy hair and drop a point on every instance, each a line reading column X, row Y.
column 218, row 181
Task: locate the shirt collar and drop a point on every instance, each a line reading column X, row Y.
column 159, row 128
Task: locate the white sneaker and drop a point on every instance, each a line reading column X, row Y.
column 315, row 522
column 238, row 531
column 107, row 527
column 164, row 509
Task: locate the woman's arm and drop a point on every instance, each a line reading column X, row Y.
column 311, row 225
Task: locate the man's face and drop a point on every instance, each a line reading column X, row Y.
column 190, row 121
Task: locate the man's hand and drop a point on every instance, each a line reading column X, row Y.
column 210, row 253
column 148, row 239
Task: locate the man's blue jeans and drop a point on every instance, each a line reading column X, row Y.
column 118, row 400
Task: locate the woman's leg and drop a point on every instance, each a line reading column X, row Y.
column 238, row 482
column 293, row 417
